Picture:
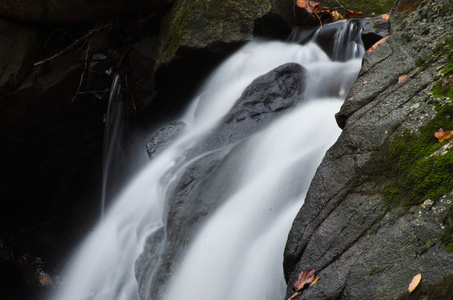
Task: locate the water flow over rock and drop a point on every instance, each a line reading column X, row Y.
column 212, row 211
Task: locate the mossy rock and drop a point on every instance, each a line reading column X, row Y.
column 368, row 8
column 199, row 34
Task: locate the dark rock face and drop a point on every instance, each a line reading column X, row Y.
column 199, row 188
column 361, row 247
column 18, row 45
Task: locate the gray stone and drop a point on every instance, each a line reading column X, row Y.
column 361, row 247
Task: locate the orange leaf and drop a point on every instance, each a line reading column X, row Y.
column 385, row 16
column 45, row 281
column 378, row 43
column 336, row 16
column 402, row 79
column 414, row 283
column 308, row 5
column 304, row 278
column 351, row 14
column 441, row 135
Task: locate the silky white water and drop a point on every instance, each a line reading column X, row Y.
column 238, row 253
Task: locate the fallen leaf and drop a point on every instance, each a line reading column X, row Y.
column 336, row 16
column 402, row 79
column 351, row 14
column 378, row 43
column 363, row 82
column 304, row 278
column 385, row 16
column 314, row 281
column 308, row 5
column 441, row 135
column 414, row 283
column 45, row 281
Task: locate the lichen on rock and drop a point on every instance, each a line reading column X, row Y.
column 377, row 211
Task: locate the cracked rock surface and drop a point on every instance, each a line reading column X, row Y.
column 361, row 247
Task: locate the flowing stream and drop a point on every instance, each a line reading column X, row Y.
column 237, row 253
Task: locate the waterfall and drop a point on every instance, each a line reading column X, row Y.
column 237, row 252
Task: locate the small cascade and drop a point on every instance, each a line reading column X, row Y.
column 237, row 252
column 115, row 141
column 342, row 40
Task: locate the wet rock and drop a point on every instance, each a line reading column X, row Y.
column 360, row 246
column 373, row 29
column 261, row 101
column 199, row 187
column 164, row 137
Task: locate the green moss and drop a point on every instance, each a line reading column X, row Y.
column 443, row 49
column 442, row 90
column 410, row 174
column 367, row 7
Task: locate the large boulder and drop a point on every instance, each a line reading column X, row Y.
column 378, row 210
column 196, row 35
column 67, row 11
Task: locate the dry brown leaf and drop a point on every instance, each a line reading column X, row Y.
column 304, row 278
column 308, row 5
column 402, row 79
column 314, row 281
column 336, row 16
column 441, row 135
column 414, row 283
column 351, row 14
column 378, row 43
column 45, row 281
column 385, row 16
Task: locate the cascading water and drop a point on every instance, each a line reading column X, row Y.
column 237, row 253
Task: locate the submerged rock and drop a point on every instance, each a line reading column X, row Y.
column 362, row 246
column 163, row 138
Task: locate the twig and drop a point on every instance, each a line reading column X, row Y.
column 84, row 70
column 88, row 35
column 319, row 19
column 341, row 5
